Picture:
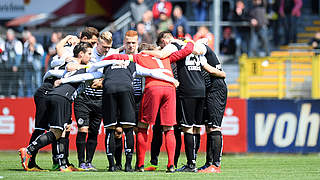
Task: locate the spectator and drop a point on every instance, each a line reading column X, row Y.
column 203, row 32
column 12, row 60
column 179, row 20
column 259, row 23
column 273, row 15
column 315, row 42
column 150, row 28
column 162, row 6
column 51, row 50
column 138, row 8
column 143, row 35
column 181, row 34
column 227, row 44
column 165, row 23
column 199, row 9
column 290, row 12
column 240, row 14
column 25, row 37
column 32, row 55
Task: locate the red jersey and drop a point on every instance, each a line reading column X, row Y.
column 151, row 62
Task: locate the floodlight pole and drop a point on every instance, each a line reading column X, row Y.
column 216, row 25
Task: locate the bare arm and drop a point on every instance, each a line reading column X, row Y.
column 60, row 45
column 72, row 66
column 212, row 70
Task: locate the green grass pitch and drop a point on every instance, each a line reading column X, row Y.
column 246, row 166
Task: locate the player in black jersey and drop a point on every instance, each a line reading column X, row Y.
column 118, row 99
column 59, row 110
column 41, row 116
column 88, row 109
column 65, row 51
column 216, row 99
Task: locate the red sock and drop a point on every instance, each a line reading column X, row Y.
column 142, row 138
column 170, row 146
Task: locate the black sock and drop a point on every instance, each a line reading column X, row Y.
column 216, row 147
column 81, row 146
column 91, row 146
column 128, row 145
column 110, row 146
column 118, row 151
column 61, row 152
column 41, row 141
column 177, row 134
column 36, row 133
column 156, row 144
column 197, row 145
column 189, row 141
column 66, row 145
column 54, row 152
column 209, row 153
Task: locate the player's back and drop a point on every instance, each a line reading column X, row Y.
column 151, row 62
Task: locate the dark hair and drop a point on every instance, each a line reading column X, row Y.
column 162, row 35
column 89, row 32
column 146, row 46
column 82, row 46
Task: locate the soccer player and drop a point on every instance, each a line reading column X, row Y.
column 65, row 53
column 216, row 99
column 59, row 111
column 130, row 46
column 118, row 98
column 41, row 116
column 88, row 108
column 157, row 95
column 191, row 92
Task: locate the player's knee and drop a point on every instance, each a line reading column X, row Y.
column 196, row 130
column 143, row 125
column 167, row 128
column 57, row 132
column 187, row 130
column 211, row 129
column 125, row 126
column 84, row 129
column 110, row 127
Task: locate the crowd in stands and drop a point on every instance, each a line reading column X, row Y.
column 23, row 62
column 265, row 20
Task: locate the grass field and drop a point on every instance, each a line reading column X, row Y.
column 248, row 166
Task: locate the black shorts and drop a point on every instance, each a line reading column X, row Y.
column 191, row 110
column 41, row 117
column 120, row 105
column 59, row 111
column 215, row 105
column 88, row 112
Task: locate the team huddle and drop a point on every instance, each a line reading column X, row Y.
column 175, row 87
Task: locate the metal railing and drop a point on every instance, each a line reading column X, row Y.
column 281, row 75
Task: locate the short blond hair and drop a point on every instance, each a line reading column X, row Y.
column 105, row 36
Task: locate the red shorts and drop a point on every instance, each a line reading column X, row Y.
column 156, row 98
